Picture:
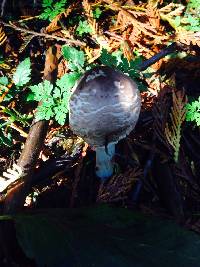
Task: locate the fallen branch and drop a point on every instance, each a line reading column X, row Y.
column 164, row 52
column 15, row 197
column 44, row 35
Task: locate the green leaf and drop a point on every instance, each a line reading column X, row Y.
column 47, row 3
column 108, row 59
column 118, row 61
column 193, row 6
column 67, row 81
column 193, row 112
column 75, row 58
column 45, row 111
column 4, row 80
column 61, row 112
column 52, row 9
column 42, row 91
column 54, row 100
column 14, row 115
column 118, row 56
column 103, row 236
column 22, row 73
column 30, row 97
column 57, row 93
column 97, row 13
column 83, row 27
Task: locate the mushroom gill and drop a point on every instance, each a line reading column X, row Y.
column 104, row 107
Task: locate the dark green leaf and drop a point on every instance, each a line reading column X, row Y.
column 105, row 237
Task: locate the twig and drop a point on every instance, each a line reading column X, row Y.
column 27, row 19
column 45, row 35
column 166, row 51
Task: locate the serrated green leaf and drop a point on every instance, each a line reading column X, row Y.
column 75, row 58
column 47, row 3
column 54, row 100
column 42, row 91
column 83, row 27
column 52, row 9
column 66, row 97
column 45, row 14
column 4, row 80
column 22, row 73
column 193, row 6
column 45, row 111
column 97, row 13
column 115, row 60
column 57, row 93
column 61, row 113
column 108, row 59
column 67, row 81
column 118, row 61
column 193, row 111
column 118, row 56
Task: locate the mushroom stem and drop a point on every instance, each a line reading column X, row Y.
column 104, row 164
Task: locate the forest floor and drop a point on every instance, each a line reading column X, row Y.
column 44, row 165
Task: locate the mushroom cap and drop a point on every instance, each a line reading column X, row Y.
column 104, row 106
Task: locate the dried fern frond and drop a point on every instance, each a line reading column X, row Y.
column 139, row 29
column 171, row 10
column 187, row 37
column 160, row 114
column 118, row 187
column 3, row 36
column 177, row 115
column 154, row 16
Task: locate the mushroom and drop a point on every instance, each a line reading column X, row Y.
column 103, row 109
